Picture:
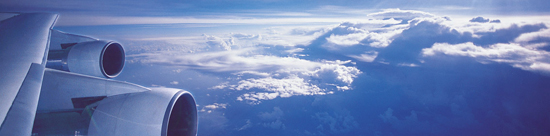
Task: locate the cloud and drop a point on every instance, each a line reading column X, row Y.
column 174, row 82
column 292, row 36
column 361, row 33
column 479, row 20
column 94, row 20
column 495, row 21
column 512, row 53
column 483, row 20
column 422, row 33
column 221, row 61
column 217, row 44
column 276, row 114
column 296, row 82
column 336, row 73
column 347, row 40
column 338, row 122
column 271, row 76
column 399, row 14
column 387, row 117
column 210, row 108
column 246, row 126
column 285, row 87
column 409, row 124
column 277, row 124
column 273, row 118
column 367, row 57
column 507, row 35
column 256, row 73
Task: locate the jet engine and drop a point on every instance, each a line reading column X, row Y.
column 77, row 98
column 95, row 58
column 142, row 114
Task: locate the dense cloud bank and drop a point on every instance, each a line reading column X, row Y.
column 398, row 72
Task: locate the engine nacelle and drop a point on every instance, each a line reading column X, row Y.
column 95, row 58
column 162, row 111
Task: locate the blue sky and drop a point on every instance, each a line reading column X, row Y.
column 278, row 67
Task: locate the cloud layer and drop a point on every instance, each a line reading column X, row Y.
column 396, row 72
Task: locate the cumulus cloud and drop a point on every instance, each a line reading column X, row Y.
column 422, row 33
column 361, row 33
column 272, row 76
column 295, row 82
column 289, row 61
column 276, row 88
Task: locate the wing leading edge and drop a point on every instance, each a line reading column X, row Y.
column 24, row 43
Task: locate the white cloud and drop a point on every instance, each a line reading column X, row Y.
column 378, row 40
column 295, row 82
column 273, row 76
column 80, row 20
column 252, row 73
column 285, row 87
column 400, row 14
column 344, row 75
column 174, row 82
column 347, row 40
column 234, row 60
column 526, row 37
column 367, row 57
column 210, row 108
column 292, row 36
column 217, row 44
column 408, row 65
column 296, row 50
column 512, row 53
column 538, row 66
column 220, row 86
column 246, row 126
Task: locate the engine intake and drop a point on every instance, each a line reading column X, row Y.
column 95, row 58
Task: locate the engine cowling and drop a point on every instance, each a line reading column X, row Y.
column 96, row 58
column 162, row 111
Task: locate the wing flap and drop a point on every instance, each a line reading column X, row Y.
column 20, row 117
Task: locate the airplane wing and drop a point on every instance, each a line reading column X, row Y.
column 56, row 83
column 24, row 46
